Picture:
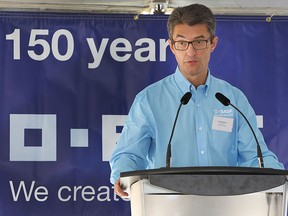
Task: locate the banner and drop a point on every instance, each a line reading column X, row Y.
column 67, row 82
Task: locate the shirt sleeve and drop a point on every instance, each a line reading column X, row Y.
column 134, row 143
column 247, row 145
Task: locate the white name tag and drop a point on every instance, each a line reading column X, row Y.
column 222, row 124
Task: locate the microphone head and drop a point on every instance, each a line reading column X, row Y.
column 224, row 100
column 186, row 97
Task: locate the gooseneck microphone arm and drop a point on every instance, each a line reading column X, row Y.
column 184, row 100
column 225, row 101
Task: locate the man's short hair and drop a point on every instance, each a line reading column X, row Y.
column 191, row 15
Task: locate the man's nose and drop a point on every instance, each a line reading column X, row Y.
column 191, row 50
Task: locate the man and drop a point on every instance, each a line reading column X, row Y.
column 207, row 132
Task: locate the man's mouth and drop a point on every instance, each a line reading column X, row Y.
column 191, row 62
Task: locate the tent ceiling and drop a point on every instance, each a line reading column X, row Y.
column 234, row 7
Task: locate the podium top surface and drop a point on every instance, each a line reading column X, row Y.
column 209, row 180
column 206, row 170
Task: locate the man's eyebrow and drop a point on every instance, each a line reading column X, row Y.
column 197, row 37
column 180, row 36
column 200, row 37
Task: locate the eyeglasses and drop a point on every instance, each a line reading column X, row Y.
column 196, row 44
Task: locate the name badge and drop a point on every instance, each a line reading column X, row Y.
column 222, row 124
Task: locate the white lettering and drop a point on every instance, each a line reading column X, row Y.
column 115, row 48
column 44, row 151
column 105, row 195
column 97, row 55
column 55, row 44
column 87, row 193
column 29, row 192
column 163, row 47
column 150, row 49
column 110, row 135
column 121, row 50
column 39, row 192
column 260, row 122
column 60, row 196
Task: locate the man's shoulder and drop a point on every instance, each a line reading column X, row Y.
column 158, row 86
column 228, row 89
column 220, row 83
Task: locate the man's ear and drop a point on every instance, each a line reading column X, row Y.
column 214, row 43
column 171, row 46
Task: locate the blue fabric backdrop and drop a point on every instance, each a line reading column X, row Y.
column 67, row 82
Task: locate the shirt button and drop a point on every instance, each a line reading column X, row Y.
column 200, row 128
column 198, row 105
column 202, row 152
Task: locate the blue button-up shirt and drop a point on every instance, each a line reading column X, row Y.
column 199, row 139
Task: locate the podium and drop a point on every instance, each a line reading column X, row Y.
column 207, row 191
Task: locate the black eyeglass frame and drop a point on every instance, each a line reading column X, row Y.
column 191, row 42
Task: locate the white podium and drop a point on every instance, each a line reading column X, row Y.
column 207, row 191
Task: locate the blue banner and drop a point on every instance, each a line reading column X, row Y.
column 67, row 82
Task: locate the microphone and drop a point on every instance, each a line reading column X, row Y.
column 184, row 100
column 225, row 101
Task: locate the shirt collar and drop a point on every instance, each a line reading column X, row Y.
column 186, row 86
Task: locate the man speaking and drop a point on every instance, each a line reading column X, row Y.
column 207, row 133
